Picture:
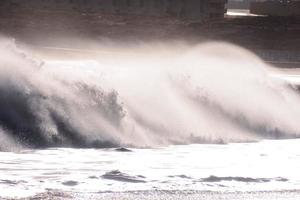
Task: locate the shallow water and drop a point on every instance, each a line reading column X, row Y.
column 264, row 166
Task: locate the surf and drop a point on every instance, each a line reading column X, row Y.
column 152, row 96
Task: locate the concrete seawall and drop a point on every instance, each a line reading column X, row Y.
column 193, row 10
column 276, row 8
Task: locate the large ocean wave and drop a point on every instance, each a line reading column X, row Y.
column 210, row 93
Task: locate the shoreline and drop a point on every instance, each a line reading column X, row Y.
column 167, row 194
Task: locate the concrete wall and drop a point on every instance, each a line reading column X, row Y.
column 238, row 4
column 276, row 8
column 194, row 10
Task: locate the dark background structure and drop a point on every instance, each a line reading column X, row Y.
column 57, row 22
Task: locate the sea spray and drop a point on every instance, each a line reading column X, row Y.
column 159, row 95
column 41, row 111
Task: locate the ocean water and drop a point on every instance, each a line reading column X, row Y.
column 167, row 120
column 245, row 167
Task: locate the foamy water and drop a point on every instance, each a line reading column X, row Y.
column 264, row 166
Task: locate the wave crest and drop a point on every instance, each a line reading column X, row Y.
column 197, row 95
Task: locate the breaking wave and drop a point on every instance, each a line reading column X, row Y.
column 161, row 95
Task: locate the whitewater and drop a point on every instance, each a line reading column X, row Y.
column 147, row 120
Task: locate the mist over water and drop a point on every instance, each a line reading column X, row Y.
column 148, row 97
